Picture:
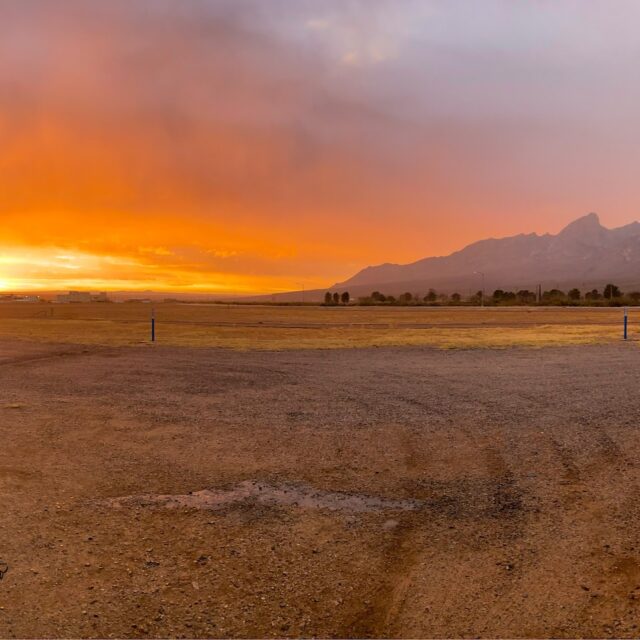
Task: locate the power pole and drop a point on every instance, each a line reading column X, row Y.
column 480, row 273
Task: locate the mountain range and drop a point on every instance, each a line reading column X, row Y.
column 584, row 254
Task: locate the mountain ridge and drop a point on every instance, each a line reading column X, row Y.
column 583, row 253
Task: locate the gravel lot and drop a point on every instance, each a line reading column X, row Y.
column 405, row 492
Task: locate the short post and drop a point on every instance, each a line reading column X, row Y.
column 625, row 323
column 153, row 324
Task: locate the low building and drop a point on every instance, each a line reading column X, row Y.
column 28, row 299
column 74, row 297
column 82, row 296
column 12, row 297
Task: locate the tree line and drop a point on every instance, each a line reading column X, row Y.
column 611, row 295
column 331, row 299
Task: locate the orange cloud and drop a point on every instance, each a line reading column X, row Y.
column 254, row 146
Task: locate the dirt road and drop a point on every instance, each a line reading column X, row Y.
column 372, row 492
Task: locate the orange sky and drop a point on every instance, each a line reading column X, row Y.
column 249, row 146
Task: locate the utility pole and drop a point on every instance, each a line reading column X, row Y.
column 480, row 273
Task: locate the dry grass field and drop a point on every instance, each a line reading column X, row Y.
column 309, row 327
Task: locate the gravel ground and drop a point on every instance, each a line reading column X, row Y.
column 374, row 492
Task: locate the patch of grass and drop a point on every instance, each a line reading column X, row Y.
column 277, row 328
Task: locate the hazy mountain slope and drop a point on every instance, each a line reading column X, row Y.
column 583, row 254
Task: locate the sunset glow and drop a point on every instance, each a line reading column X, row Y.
column 241, row 146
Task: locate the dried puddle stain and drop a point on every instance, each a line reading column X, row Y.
column 266, row 494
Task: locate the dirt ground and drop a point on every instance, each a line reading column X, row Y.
column 409, row 492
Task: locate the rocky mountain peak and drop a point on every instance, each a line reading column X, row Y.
column 587, row 227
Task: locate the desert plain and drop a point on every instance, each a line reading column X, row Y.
column 310, row 472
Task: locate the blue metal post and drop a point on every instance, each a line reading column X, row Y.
column 625, row 323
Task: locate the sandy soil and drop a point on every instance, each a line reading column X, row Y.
column 372, row 492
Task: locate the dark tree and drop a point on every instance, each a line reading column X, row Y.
column 336, row 298
column 611, row 291
column 345, row 297
column 503, row 296
column 328, row 299
column 455, row 297
column 525, row 296
column 553, row 295
column 405, row 298
column 432, row 296
column 592, row 295
column 574, row 294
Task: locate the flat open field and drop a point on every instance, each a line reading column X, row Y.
column 400, row 491
column 272, row 327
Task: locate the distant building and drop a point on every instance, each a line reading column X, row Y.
column 12, row 297
column 82, row 296
column 74, row 297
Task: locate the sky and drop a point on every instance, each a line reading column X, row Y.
column 250, row 146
